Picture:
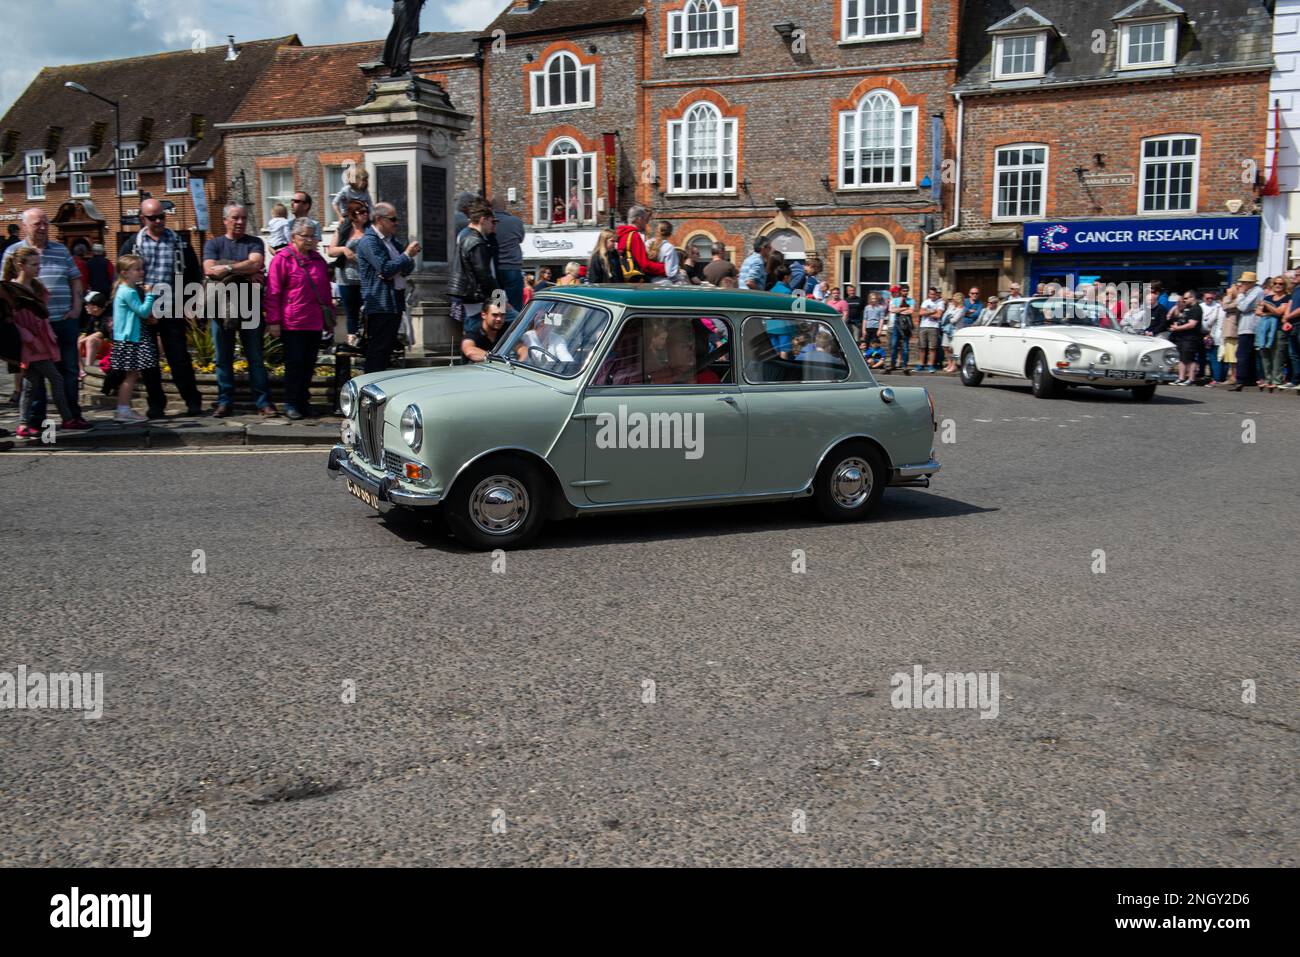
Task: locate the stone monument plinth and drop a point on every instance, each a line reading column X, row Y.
column 410, row 134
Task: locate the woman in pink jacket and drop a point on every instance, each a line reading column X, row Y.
column 23, row 301
column 298, row 300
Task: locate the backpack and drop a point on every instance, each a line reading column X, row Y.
column 627, row 263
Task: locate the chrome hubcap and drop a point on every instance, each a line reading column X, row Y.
column 970, row 362
column 851, row 483
column 499, row 505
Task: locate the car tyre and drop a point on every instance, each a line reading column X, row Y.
column 970, row 373
column 1144, row 393
column 850, row 483
column 1046, row 386
column 499, row 502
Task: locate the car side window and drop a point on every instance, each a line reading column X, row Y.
column 1013, row 316
column 785, row 349
column 669, row 350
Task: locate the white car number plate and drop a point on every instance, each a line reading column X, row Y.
column 1123, row 374
column 363, row 493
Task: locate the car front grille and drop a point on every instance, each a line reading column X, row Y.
column 370, row 425
column 394, row 463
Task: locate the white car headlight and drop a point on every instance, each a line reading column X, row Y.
column 1104, row 358
column 1171, row 357
column 412, row 428
column 348, row 399
column 1146, row 359
column 1073, row 352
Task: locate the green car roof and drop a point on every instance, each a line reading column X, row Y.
column 688, row 297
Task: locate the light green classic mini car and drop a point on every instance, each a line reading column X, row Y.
column 615, row 398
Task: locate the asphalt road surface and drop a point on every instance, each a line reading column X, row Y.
column 664, row 689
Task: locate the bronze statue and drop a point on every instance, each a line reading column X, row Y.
column 406, row 26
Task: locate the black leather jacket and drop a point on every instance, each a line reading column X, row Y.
column 471, row 269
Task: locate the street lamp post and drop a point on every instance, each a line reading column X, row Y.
column 117, row 149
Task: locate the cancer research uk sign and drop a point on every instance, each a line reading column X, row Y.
column 1203, row 234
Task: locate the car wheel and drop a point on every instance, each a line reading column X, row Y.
column 1045, row 386
column 497, row 503
column 970, row 372
column 1144, row 393
column 850, row 483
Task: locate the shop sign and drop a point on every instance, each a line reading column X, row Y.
column 1188, row 234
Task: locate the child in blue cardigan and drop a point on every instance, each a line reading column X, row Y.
column 135, row 345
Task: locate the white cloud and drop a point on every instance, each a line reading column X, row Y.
column 472, row 14
column 37, row 34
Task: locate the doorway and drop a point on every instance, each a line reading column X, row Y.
column 986, row 280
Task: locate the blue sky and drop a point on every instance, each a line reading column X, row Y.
column 58, row 32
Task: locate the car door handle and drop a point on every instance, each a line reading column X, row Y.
column 730, row 400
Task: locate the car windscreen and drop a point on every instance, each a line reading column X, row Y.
column 1067, row 312
column 554, row 337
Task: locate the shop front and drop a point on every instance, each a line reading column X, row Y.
column 557, row 249
column 1191, row 252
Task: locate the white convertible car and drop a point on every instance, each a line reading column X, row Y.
column 1056, row 343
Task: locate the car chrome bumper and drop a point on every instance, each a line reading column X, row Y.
column 386, row 489
column 1094, row 375
column 915, row 476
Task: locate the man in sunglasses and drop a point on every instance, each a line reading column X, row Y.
column 169, row 260
column 384, row 267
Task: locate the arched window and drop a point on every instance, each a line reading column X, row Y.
column 878, row 143
column 562, row 83
column 702, row 152
column 875, row 264
column 565, row 174
column 702, row 26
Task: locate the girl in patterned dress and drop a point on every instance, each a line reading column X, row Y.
column 135, row 346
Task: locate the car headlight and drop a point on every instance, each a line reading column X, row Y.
column 348, row 399
column 1171, row 357
column 1073, row 352
column 412, row 428
column 1104, row 358
column 1146, row 359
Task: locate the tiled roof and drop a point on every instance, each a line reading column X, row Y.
column 310, row 81
column 560, row 15
column 164, row 96
column 1213, row 35
column 443, row 44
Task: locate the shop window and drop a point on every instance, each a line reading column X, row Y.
column 1020, row 173
column 1170, row 169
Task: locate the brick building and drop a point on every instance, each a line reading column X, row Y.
column 56, row 144
column 1111, row 142
column 557, row 75
column 821, row 124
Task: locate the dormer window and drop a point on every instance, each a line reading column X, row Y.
column 1148, row 34
column 1020, row 45
column 1148, row 43
column 1020, row 55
